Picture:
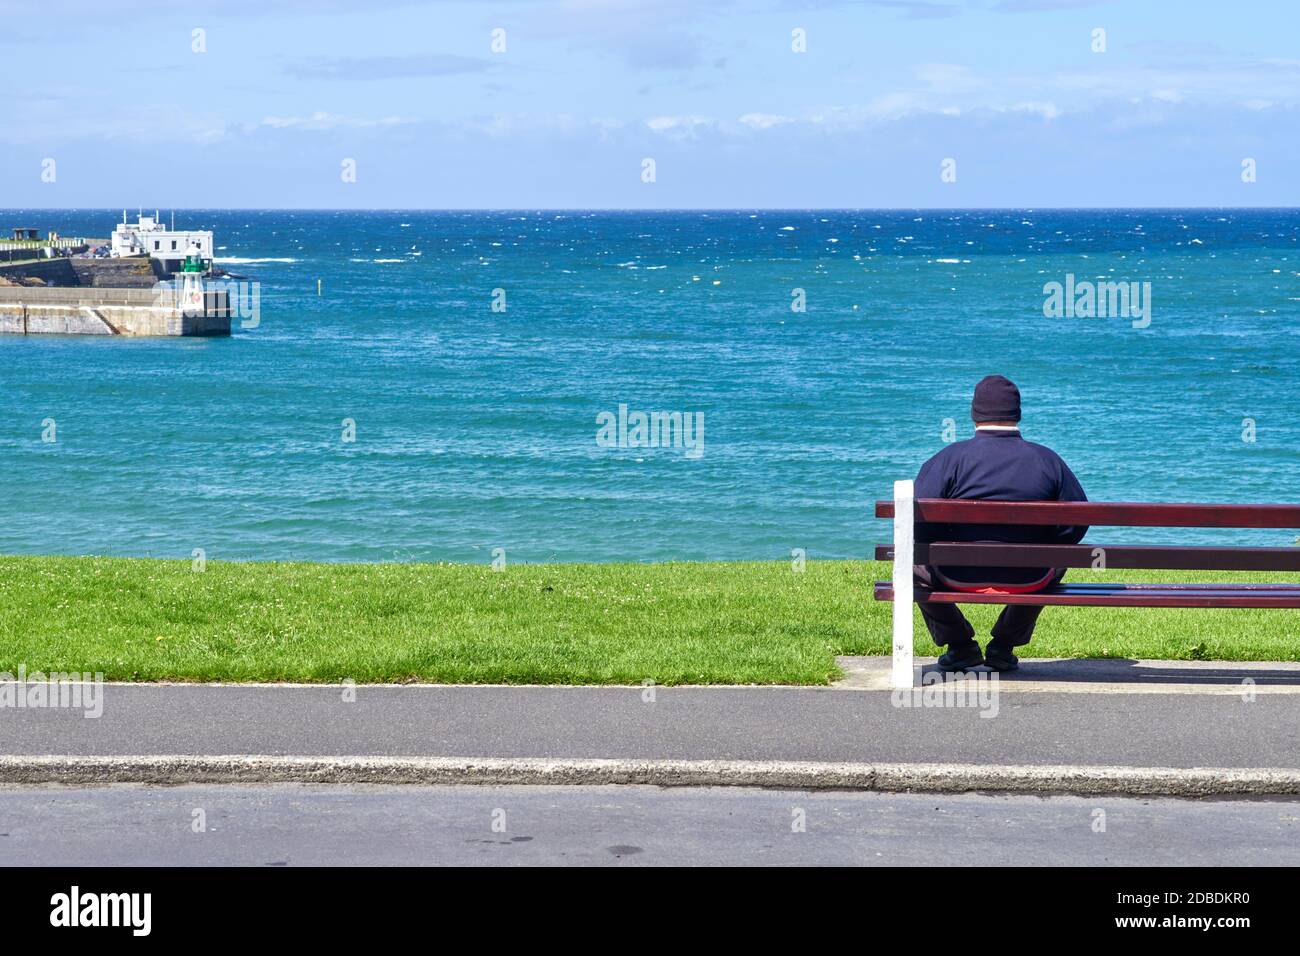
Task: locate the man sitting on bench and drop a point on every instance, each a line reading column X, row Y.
column 996, row 464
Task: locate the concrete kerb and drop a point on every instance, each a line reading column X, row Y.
column 885, row 777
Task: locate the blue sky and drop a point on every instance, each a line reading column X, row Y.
column 711, row 90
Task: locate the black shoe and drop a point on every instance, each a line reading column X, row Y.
column 962, row 659
column 1000, row 658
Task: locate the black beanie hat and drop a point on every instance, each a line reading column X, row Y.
column 996, row 400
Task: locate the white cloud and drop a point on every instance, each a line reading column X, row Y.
column 765, row 120
column 1048, row 111
column 508, row 124
column 679, row 127
column 880, row 109
column 321, row 120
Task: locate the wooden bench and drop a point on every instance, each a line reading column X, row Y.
column 906, row 552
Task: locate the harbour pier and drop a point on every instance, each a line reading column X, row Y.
column 107, row 311
column 148, row 282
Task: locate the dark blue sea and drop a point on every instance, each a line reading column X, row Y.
column 476, row 429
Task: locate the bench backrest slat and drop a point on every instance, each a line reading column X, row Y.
column 1150, row 557
column 1130, row 514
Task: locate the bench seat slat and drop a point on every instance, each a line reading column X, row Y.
column 1164, row 557
column 1122, row 595
column 1131, row 514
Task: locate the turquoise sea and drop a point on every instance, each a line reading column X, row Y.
column 477, row 429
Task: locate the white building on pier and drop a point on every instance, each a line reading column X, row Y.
column 150, row 237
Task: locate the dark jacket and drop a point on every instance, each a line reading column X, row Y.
column 1000, row 466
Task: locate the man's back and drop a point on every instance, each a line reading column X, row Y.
column 998, row 465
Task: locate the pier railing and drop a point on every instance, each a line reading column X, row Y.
column 14, row 249
column 63, row 242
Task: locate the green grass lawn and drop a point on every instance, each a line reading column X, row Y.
column 748, row 622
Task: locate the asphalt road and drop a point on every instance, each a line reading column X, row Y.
column 290, row 825
column 807, row 724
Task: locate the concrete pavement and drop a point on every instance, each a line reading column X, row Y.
column 846, row 760
column 1106, row 676
column 288, row 825
column 724, row 723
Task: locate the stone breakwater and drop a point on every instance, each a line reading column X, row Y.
column 101, row 311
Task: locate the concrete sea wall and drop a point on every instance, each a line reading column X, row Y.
column 133, row 312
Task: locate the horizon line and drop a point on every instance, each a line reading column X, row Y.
column 665, row 209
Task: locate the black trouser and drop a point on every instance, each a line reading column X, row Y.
column 947, row 624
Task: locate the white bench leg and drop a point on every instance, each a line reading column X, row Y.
column 902, row 674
